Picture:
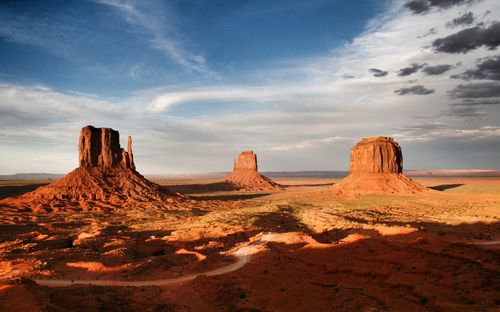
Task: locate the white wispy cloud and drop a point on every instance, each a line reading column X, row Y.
column 161, row 33
column 419, row 135
column 308, row 144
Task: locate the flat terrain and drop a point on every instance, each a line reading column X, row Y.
column 313, row 251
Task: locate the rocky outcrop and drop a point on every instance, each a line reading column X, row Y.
column 105, row 180
column 100, row 147
column 246, row 175
column 376, row 155
column 377, row 168
column 246, row 161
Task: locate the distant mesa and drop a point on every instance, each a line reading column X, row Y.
column 246, row 175
column 106, row 179
column 377, row 168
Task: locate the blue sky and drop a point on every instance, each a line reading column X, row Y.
column 113, row 48
column 195, row 82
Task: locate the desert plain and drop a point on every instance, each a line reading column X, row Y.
column 309, row 250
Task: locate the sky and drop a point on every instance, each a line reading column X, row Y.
column 298, row 82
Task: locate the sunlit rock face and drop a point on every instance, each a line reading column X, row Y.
column 377, row 168
column 376, row 155
column 245, row 174
column 246, row 161
column 100, row 147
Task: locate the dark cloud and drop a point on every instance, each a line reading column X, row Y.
column 413, row 68
column 418, row 90
column 464, row 112
column 418, row 127
column 436, row 69
column 347, row 76
column 474, row 102
column 431, row 31
column 480, row 90
column 469, row 39
column 418, row 6
column 465, row 19
column 488, row 68
column 424, row 6
column 378, row 72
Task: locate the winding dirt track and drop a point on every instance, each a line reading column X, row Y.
column 243, row 257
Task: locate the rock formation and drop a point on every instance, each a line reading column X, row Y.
column 376, row 155
column 377, row 167
column 105, row 179
column 246, row 175
column 100, row 147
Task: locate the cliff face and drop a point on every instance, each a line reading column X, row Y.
column 100, row 147
column 246, row 176
column 376, row 155
column 246, row 161
column 377, row 168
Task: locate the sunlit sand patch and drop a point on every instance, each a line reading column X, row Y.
column 96, row 267
column 394, row 230
column 197, row 255
column 82, row 237
column 210, row 244
column 352, row 238
column 19, row 268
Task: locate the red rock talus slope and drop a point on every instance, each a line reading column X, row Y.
column 105, row 179
column 376, row 168
column 246, row 176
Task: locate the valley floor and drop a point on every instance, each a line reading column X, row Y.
column 305, row 250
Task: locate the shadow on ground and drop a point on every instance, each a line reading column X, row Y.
column 306, row 184
column 443, row 187
column 230, row 197
column 402, row 272
column 16, row 190
column 200, row 188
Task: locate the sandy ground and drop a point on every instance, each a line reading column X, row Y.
column 436, row 252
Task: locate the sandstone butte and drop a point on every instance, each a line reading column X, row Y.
column 105, row 179
column 377, row 168
column 246, row 175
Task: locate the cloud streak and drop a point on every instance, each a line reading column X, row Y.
column 486, row 69
column 378, row 72
column 424, row 6
column 476, row 90
column 413, row 68
column 465, row 19
column 309, row 144
column 469, row 39
column 436, row 69
column 161, row 33
column 414, row 90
